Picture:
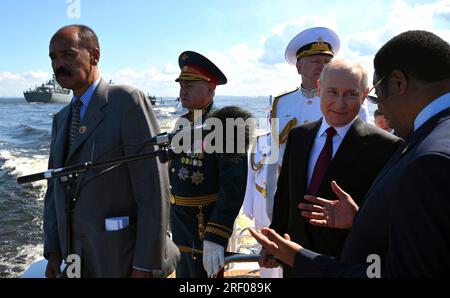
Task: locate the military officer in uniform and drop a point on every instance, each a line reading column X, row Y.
column 207, row 189
column 254, row 206
column 309, row 51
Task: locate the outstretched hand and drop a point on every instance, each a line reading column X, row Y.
column 338, row 214
column 282, row 248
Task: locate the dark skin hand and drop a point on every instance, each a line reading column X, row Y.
column 53, row 266
column 282, row 248
column 338, row 214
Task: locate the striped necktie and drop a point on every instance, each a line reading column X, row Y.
column 74, row 122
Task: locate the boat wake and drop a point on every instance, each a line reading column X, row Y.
column 16, row 163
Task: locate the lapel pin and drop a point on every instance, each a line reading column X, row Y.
column 83, row 129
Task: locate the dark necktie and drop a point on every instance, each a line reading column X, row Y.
column 322, row 163
column 74, row 122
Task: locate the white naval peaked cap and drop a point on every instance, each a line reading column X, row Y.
column 312, row 41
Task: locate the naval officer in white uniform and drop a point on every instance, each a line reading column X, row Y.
column 309, row 51
column 254, row 206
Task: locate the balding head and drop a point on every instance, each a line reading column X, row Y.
column 85, row 35
column 353, row 68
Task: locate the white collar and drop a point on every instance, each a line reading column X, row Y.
column 341, row 131
column 309, row 93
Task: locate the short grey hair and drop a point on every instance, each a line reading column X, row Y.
column 353, row 67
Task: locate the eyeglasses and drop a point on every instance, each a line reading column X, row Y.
column 374, row 99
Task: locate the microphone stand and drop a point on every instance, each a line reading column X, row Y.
column 69, row 176
column 164, row 154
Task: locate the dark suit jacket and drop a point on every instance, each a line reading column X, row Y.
column 362, row 154
column 117, row 117
column 405, row 217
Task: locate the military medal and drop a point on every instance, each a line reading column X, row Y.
column 183, row 174
column 197, row 178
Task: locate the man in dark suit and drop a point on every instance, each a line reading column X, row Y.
column 403, row 226
column 103, row 122
column 356, row 153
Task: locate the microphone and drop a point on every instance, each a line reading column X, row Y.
column 35, row 177
column 165, row 138
column 235, row 132
column 70, row 171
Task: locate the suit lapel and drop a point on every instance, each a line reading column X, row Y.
column 351, row 146
column 303, row 151
column 92, row 118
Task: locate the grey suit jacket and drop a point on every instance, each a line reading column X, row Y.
column 117, row 119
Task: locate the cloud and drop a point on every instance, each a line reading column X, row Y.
column 400, row 17
column 13, row 84
column 154, row 81
column 274, row 45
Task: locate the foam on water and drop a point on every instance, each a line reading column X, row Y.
column 16, row 164
column 24, row 257
column 24, row 144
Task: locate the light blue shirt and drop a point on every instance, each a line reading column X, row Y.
column 86, row 97
column 438, row 105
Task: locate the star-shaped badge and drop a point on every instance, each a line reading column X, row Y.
column 197, row 178
column 183, row 173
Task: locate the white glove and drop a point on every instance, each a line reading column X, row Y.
column 213, row 257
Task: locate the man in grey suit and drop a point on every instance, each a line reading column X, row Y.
column 103, row 122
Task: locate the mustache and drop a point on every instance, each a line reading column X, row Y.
column 62, row 72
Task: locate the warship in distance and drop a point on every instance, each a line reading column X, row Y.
column 50, row 92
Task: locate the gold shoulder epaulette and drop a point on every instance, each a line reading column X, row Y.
column 276, row 99
column 287, row 92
